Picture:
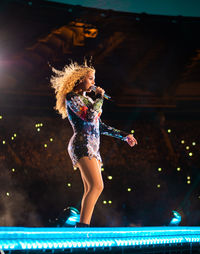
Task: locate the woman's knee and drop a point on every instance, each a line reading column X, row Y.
column 96, row 187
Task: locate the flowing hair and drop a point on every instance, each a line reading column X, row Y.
column 65, row 80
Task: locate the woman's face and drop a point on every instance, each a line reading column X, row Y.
column 88, row 82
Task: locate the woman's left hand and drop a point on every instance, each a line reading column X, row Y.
column 131, row 140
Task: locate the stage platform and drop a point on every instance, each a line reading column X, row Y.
column 100, row 239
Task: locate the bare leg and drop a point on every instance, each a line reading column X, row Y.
column 86, row 186
column 93, row 186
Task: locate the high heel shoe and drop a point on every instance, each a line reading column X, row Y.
column 81, row 225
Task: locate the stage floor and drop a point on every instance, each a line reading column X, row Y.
column 134, row 239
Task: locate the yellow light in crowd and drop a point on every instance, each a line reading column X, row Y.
column 45, row 145
column 132, row 131
column 51, row 139
column 182, row 141
column 105, row 202
column 129, row 189
column 110, row 177
column 69, row 184
column 110, row 202
column 169, row 131
column 158, row 185
column 38, row 129
column 159, row 169
column 15, row 135
column 12, row 138
column 190, row 154
column 193, row 143
column 4, row 142
column 7, row 193
column 187, row 147
column 188, row 177
column 13, row 170
column 178, row 169
column 188, row 182
column 102, row 169
column 38, row 125
column 1, row 117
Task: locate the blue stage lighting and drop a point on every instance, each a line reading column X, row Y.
column 68, row 217
column 73, row 218
column 12, row 238
column 175, row 221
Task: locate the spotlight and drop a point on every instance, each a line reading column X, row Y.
column 175, row 221
column 68, row 217
column 73, row 218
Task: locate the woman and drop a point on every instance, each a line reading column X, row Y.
column 71, row 86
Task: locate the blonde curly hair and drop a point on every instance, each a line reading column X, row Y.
column 64, row 82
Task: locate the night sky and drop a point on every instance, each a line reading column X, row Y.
column 164, row 7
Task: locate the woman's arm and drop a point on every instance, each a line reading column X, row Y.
column 110, row 131
column 88, row 112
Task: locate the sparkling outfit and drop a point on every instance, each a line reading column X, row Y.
column 84, row 116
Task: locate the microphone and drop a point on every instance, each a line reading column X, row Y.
column 107, row 97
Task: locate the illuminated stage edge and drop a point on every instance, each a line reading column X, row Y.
column 13, row 239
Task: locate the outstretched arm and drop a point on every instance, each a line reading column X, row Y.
column 111, row 131
column 80, row 106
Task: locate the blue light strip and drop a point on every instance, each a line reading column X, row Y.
column 18, row 238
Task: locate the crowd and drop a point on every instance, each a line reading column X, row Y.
column 148, row 180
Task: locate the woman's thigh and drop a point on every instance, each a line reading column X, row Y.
column 91, row 172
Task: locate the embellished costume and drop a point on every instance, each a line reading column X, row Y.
column 84, row 116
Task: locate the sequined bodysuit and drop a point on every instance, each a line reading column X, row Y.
column 84, row 116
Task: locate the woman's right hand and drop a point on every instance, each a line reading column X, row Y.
column 99, row 90
column 131, row 140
